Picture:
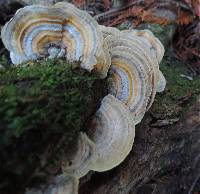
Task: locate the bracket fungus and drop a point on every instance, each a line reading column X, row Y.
column 110, row 139
column 56, row 31
column 134, row 76
column 153, row 42
column 128, row 59
column 78, row 162
column 112, row 131
column 157, row 52
column 106, row 31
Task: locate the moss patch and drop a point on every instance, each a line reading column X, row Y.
column 4, row 62
column 180, row 92
column 42, row 105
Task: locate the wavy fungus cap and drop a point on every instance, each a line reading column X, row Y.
column 148, row 38
column 113, row 133
column 56, row 31
column 131, row 75
column 79, row 163
column 110, row 139
column 134, row 76
column 106, row 31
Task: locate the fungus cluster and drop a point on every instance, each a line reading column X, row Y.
column 129, row 60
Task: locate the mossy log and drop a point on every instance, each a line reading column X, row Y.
column 43, row 107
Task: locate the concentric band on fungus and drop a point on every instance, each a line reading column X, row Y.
column 34, row 29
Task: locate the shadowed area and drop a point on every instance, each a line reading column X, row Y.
column 43, row 107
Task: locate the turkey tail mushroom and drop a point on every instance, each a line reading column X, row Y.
column 157, row 52
column 161, row 83
column 56, row 31
column 111, row 138
column 153, row 42
column 80, row 160
column 134, row 76
column 106, row 31
column 93, row 54
column 129, row 74
column 113, row 131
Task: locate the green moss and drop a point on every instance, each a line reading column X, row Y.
column 180, row 92
column 4, row 61
column 124, row 25
column 40, row 105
